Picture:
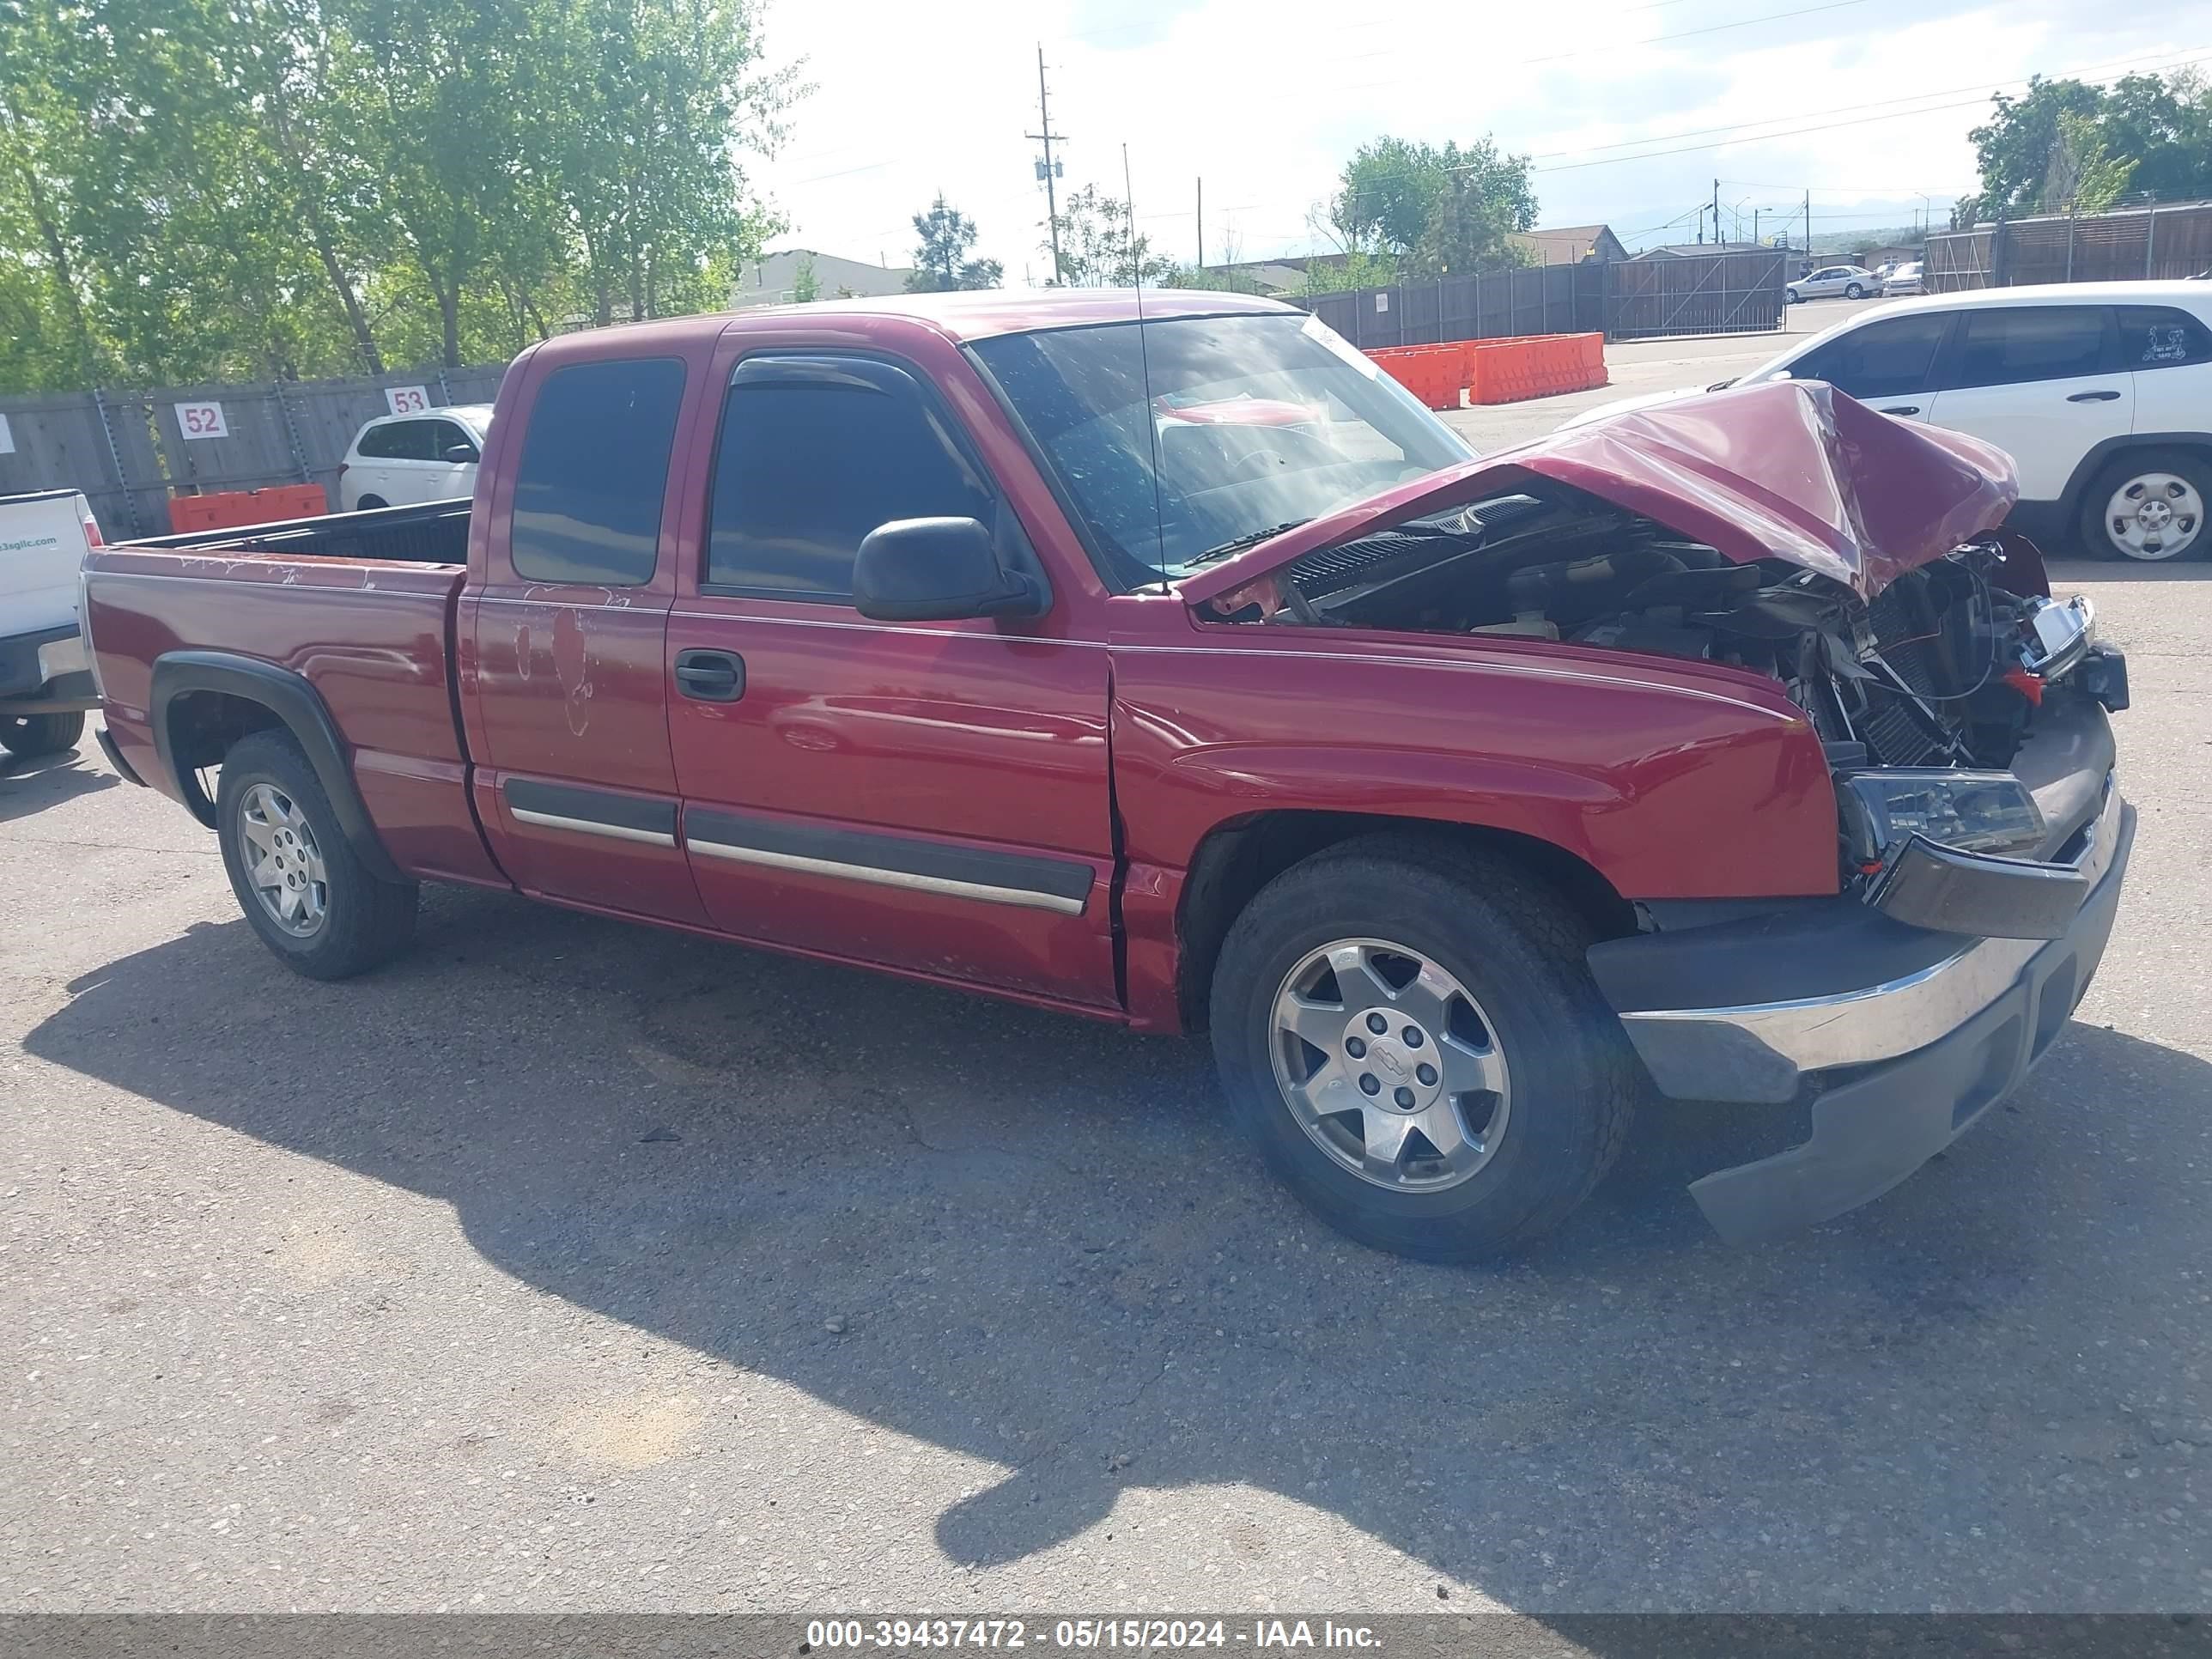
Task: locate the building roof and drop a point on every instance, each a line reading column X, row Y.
column 1698, row 250
column 772, row 279
column 1566, row 244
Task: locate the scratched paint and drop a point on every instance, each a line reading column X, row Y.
column 523, row 648
column 572, row 666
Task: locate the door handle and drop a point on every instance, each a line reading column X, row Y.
column 1901, row 409
column 2093, row 396
column 710, row 675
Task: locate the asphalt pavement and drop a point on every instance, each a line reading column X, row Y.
column 571, row 1266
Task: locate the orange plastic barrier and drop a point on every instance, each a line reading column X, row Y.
column 1434, row 374
column 227, row 510
column 1533, row 365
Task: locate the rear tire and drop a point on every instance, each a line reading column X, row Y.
column 2149, row 507
column 33, row 735
column 303, row 887
column 1550, row 1082
column 1854, row 291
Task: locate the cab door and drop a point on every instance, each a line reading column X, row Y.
column 930, row 797
column 2045, row 383
column 562, row 674
column 1888, row 365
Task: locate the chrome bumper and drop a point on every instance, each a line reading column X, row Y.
column 1767, row 1049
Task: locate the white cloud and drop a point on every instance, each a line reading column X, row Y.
column 1265, row 102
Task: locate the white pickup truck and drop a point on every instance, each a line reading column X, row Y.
column 45, row 683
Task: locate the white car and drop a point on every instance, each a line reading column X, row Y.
column 1832, row 282
column 396, row 461
column 2101, row 392
column 1902, row 279
column 45, row 682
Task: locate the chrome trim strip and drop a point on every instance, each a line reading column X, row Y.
column 587, row 827
column 1878, row 1022
column 1027, row 898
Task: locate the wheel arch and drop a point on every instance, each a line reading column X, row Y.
column 1239, row 856
column 203, row 702
column 2103, row 453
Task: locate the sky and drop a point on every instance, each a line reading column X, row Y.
column 1630, row 108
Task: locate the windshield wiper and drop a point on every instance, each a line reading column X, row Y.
column 1251, row 538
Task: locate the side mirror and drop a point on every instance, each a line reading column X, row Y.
column 939, row 570
column 459, row 454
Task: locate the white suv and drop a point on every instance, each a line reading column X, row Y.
column 395, row 460
column 2100, row 392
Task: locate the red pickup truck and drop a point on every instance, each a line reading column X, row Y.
column 1177, row 669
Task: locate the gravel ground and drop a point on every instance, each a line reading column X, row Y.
column 571, row 1266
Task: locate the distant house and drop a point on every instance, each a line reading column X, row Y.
column 772, row 279
column 1276, row 276
column 1568, row 245
column 1699, row 250
column 1896, row 254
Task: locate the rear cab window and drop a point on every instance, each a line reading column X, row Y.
column 589, row 488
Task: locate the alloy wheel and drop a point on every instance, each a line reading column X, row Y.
column 1389, row 1064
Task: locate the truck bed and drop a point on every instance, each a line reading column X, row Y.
column 370, row 631
column 433, row 533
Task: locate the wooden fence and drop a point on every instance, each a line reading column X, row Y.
column 129, row 451
column 2156, row 242
column 1623, row 300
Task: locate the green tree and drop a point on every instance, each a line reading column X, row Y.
column 2031, row 160
column 805, row 289
column 1098, row 248
column 2083, row 176
column 944, row 236
column 1433, row 210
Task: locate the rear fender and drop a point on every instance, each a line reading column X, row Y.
column 297, row 705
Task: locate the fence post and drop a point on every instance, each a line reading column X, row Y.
column 2150, row 245
column 2000, row 245
column 291, row 431
column 2073, row 211
column 445, row 393
column 115, row 460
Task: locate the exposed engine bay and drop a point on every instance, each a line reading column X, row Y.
column 1944, row 668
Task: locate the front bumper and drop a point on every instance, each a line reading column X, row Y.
column 1901, row 1036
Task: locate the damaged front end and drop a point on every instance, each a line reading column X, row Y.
column 1860, row 564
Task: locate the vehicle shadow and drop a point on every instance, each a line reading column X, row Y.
column 31, row 785
column 1032, row 1241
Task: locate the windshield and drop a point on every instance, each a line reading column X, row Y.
column 1259, row 423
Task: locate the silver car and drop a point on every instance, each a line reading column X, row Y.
column 1905, row 279
column 1832, row 282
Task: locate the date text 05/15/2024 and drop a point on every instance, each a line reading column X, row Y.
column 1068, row 1635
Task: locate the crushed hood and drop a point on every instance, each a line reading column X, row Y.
column 1790, row 470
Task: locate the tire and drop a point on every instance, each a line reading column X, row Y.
column 1854, row 291
column 2172, row 483
column 347, row 921
column 32, row 735
column 1554, row 1096
column 1790, row 296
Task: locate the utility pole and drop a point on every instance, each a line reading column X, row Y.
column 1202, row 224
column 1046, row 169
column 1717, row 212
column 1754, row 227
column 1808, row 229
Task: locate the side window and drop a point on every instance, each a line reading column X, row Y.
column 2008, row 345
column 594, row 468
column 444, row 434
column 1882, row 360
column 392, row 441
column 808, row 467
column 2159, row 337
